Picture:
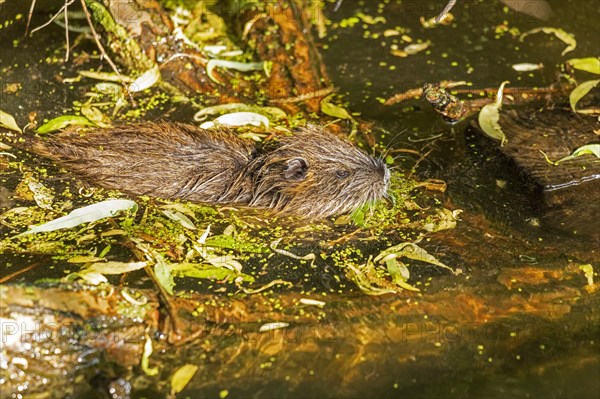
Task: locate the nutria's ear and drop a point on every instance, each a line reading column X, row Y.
column 296, row 169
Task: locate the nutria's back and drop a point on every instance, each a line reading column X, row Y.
column 168, row 160
column 311, row 174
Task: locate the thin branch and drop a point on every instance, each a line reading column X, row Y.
column 67, row 32
column 101, row 47
column 445, row 11
column 103, row 53
column 63, row 8
column 29, row 17
column 23, row 270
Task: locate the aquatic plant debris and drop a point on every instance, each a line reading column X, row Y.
column 412, row 251
column 311, row 256
column 565, row 37
column 145, row 363
column 106, row 76
column 366, row 279
column 145, row 80
column 179, row 217
column 238, row 66
column 273, row 113
column 412, row 49
column 579, row 92
column 442, row 15
column 94, row 274
column 589, row 64
column 490, row 115
column 181, row 377
column 62, row 122
column 87, row 214
column 8, row 121
column 527, row 67
column 588, row 271
column 399, row 274
column 238, row 119
column 331, row 109
column 312, row 302
column 590, row 149
column 272, row 326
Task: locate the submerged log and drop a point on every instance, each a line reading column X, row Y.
column 569, row 191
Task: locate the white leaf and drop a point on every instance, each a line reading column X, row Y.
column 87, row 214
column 145, row 80
column 239, row 119
column 8, row 121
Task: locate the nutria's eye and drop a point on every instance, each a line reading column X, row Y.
column 342, row 174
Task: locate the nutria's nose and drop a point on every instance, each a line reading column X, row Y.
column 382, row 170
column 386, row 175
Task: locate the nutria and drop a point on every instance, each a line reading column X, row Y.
column 312, row 173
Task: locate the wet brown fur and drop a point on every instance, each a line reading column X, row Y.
column 311, row 174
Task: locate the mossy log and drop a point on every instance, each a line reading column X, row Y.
column 140, row 34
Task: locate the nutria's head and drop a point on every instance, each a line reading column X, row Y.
column 315, row 174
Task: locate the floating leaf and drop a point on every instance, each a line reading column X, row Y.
column 181, row 377
column 273, row 113
column 565, row 37
column 312, row 302
column 95, row 273
column 591, row 149
column 412, row 49
column 370, row 20
column 95, row 116
column 445, row 219
column 230, row 242
column 145, row 80
column 116, row 267
column 63, row 121
column 239, row 119
column 238, row 66
column 364, row 280
column 272, row 326
column 84, row 259
column 107, row 76
column 111, row 89
column 92, row 278
column 8, row 121
column 580, row 91
column 163, row 274
column 208, row 271
column 412, row 251
column 145, row 363
column 590, row 64
column 180, row 217
column 328, row 108
column 311, row 256
column 42, row 195
column 490, row 115
column 270, row 284
column 400, row 274
column 527, row 67
column 87, row 214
